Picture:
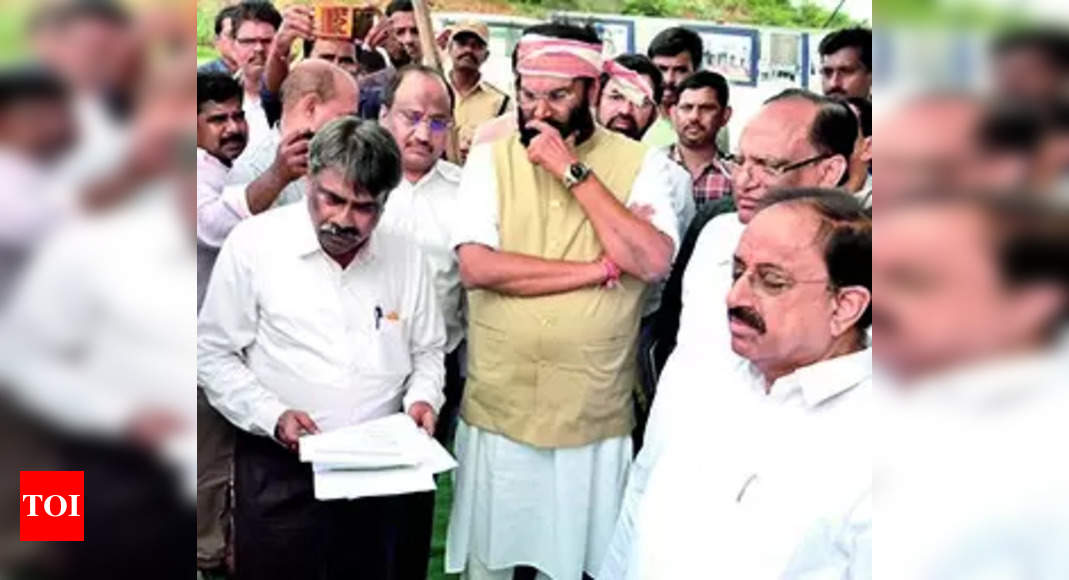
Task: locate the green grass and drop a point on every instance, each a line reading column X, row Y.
column 442, row 503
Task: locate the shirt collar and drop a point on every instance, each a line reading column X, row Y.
column 306, row 242
column 822, row 380
column 714, row 164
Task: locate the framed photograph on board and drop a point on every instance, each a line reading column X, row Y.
column 617, row 34
column 732, row 52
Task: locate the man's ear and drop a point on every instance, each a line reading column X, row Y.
column 851, row 303
column 727, row 115
column 307, row 105
column 832, row 171
column 383, row 111
column 866, row 149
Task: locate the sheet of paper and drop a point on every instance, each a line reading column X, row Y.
column 348, row 484
column 387, row 456
column 391, row 441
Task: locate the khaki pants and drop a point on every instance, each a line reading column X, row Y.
column 215, row 459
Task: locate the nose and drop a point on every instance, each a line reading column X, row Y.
column 740, row 293
column 742, row 177
column 541, row 110
column 422, row 131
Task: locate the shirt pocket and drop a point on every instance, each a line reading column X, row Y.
column 389, row 354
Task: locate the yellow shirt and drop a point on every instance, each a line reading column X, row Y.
column 482, row 103
column 557, row 370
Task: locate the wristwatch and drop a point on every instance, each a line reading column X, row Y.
column 575, row 174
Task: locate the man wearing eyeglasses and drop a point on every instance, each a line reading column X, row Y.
column 564, row 227
column 254, row 26
column 766, row 473
column 418, row 112
column 797, row 139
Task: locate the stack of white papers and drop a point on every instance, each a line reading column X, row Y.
column 386, row 456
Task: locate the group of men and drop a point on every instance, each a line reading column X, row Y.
column 350, row 268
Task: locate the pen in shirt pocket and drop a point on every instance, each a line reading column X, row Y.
column 378, row 317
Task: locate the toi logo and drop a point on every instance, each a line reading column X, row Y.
column 51, row 506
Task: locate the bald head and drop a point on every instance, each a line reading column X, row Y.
column 315, row 93
column 795, row 140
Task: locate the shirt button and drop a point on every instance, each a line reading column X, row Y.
column 554, row 204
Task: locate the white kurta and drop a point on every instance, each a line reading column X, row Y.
column 515, row 504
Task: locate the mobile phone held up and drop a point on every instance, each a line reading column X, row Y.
column 340, row 22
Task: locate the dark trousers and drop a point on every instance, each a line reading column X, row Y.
column 283, row 532
column 454, row 392
column 648, row 375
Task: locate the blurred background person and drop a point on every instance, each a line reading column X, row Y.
column 478, row 101
column 971, row 344
column 846, row 63
column 228, row 61
column 1031, row 64
column 37, row 129
column 93, row 347
column 928, row 143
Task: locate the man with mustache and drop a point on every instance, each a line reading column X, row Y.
column 756, row 478
column 630, row 94
column 254, row 26
column 797, row 139
column 271, row 173
column 699, row 115
column 417, row 111
column 556, row 267
column 314, row 320
column 478, row 101
column 846, row 63
column 221, row 137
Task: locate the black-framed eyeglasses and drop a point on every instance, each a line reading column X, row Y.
column 775, row 169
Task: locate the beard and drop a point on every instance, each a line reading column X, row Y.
column 580, row 122
column 632, row 130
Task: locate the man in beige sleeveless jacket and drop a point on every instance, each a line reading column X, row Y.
column 564, row 226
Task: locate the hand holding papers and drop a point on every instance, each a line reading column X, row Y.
column 387, row 456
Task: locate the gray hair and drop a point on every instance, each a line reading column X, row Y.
column 364, row 153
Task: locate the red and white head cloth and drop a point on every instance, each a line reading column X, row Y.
column 634, row 86
column 548, row 56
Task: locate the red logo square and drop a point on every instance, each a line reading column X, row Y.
column 51, row 506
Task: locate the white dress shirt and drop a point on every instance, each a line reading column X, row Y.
column 746, row 482
column 222, row 206
column 677, row 182
column 283, row 326
column 426, row 212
